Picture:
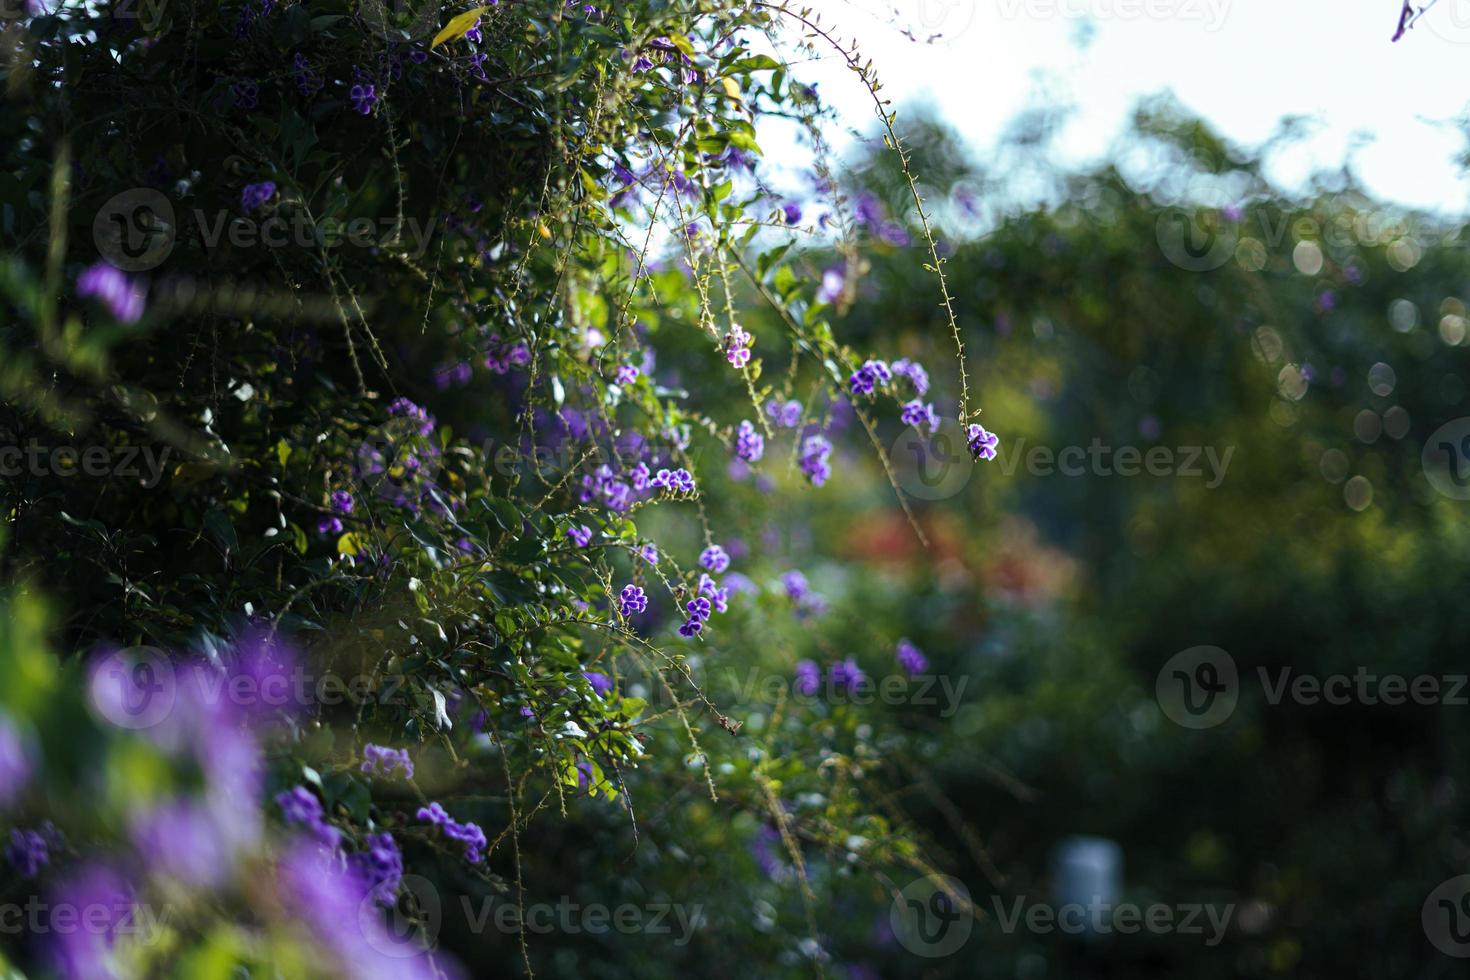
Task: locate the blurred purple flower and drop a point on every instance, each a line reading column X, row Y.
column 122, row 297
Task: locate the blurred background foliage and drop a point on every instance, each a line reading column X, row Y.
column 1314, row 361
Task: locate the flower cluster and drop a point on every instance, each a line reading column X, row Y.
column 122, row 297
column 632, row 600
column 915, row 372
column 468, row 834
column 452, row 375
column 678, row 481
column 844, row 675
column 364, row 94
column 870, row 376
column 911, row 658
column 715, row 558
column 28, row 850
column 378, row 870
column 302, row 808
column 342, row 503
column 308, row 79
column 380, row 759
column 750, row 445
column 797, row 589
column 402, row 408
column 982, row 444
column 502, row 355
column 603, row 485
column 787, row 415
column 808, row 677
column 815, row 452
column 918, row 414
column 737, row 346
column 256, row 196
column 719, row 597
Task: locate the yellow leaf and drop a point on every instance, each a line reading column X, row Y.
column 347, row 544
column 732, row 89
column 457, row 27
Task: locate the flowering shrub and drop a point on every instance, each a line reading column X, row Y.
column 439, row 314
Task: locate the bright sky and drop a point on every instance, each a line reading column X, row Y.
column 1241, row 64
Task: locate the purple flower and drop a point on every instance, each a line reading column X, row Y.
column 299, row 806
column 911, row 658
column 308, row 80
column 679, row 481
column 737, row 346
column 27, row 852
column 834, row 281
column 15, row 761
column 691, row 627
column 982, row 444
column 918, row 414
column 792, row 213
column 381, row 759
column 795, row 585
column 122, row 297
column 808, row 678
column 766, row 850
column 714, row 558
column 750, row 445
column 787, row 415
column 378, row 870
column 364, row 98
column 870, row 375
column 915, row 372
column 342, row 501
column 846, row 674
column 581, row 535
column 649, row 553
column 255, row 196
column 246, row 94
column 718, row 596
column 329, row 525
column 104, row 901
column 601, row 683
column 468, row 834
column 627, row 374
column 814, row 455
column 182, row 839
column 632, row 600
column 403, row 408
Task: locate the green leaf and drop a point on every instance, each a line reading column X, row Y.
column 222, row 530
